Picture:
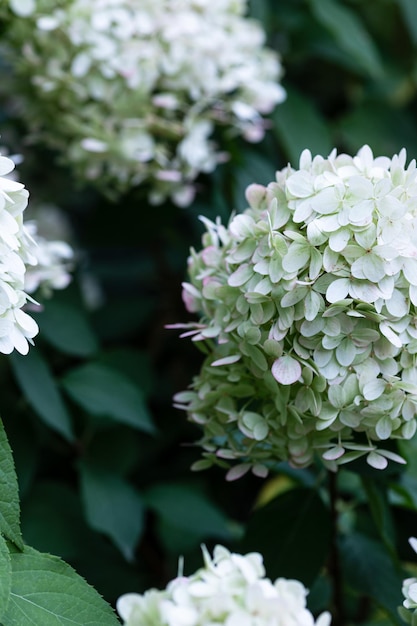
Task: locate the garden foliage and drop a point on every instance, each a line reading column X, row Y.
column 95, row 461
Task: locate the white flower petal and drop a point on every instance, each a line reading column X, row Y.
column 286, row 370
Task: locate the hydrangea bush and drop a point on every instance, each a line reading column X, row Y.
column 132, row 92
column 230, row 589
column 308, row 303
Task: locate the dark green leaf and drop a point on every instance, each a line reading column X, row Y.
column 369, row 569
column 103, row 391
column 190, row 510
column 41, row 392
column 349, row 33
column 381, row 513
column 67, row 328
column 299, row 125
column 113, row 507
column 133, row 364
column 384, row 129
column 9, row 494
column 48, row 592
column 409, row 10
column 52, row 520
column 286, row 530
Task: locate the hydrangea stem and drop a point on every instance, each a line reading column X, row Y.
column 334, row 560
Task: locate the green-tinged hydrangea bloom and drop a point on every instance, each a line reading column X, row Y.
column 231, row 589
column 308, row 304
column 130, row 92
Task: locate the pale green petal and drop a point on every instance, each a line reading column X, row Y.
column 364, row 291
column 300, row 184
column 313, row 327
column 366, row 238
column 374, row 389
column 384, row 428
column 315, row 235
column 312, row 305
column 376, row 460
column 390, row 334
column 361, row 187
column 392, row 207
column 227, row 360
column 410, row 270
column 294, row 296
column 337, row 396
column 298, row 256
column 339, row 239
column 326, row 201
column 346, row 352
column 315, row 264
column 361, row 212
column 240, row 276
column 333, row 453
column 369, row 266
column 397, row 305
column 338, row 290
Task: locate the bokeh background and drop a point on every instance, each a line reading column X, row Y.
column 103, row 458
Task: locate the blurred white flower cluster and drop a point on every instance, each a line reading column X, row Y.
column 131, row 92
column 230, row 590
column 308, row 306
column 51, row 255
column 17, row 328
column 53, row 263
column 28, row 262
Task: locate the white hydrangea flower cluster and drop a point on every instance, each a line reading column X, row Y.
column 131, row 92
column 52, row 256
column 309, row 317
column 409, row 591
column 17, row 328
column 230, row 590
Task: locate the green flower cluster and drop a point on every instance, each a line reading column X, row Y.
column 308, row 304
column 130, row 92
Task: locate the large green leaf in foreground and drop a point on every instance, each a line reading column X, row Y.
column 5, row 576
column 9, row 493
column 48, row 592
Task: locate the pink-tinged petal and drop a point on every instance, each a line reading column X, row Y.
column 286, row 370
column 376, row 461
column 238, row 471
